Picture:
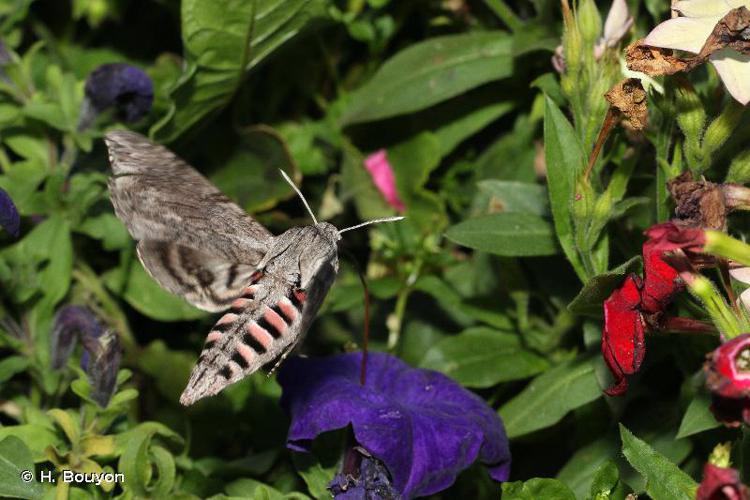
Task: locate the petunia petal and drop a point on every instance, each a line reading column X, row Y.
column 682, row 33
column 734, row 71
column 618, row 23
column 741, row 274
column 704, row 8
column 380, row 170
column 421, row 424
column 623, row 335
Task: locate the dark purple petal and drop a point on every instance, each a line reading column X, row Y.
column 102, row 369
column 70, row 323
column 9, row 218
column 424, row 426
column 372, row 483
column 126, row 88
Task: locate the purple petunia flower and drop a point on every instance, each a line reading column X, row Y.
column 421, row 424
column 9, row 218
column 125, row 88
column 102, row 366
column 70, row 323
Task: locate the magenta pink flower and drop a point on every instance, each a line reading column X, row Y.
column 383, row 177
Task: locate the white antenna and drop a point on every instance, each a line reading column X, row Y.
column 374, row 221
column 299, row 193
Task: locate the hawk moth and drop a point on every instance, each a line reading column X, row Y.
column 198, row 244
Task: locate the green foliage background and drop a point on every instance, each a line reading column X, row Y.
column 495, row 278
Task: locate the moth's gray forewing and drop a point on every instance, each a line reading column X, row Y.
column 192, row 238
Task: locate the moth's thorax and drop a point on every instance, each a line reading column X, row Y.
column 301, row 254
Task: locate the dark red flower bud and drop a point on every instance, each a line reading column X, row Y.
column 623, row 339
column 660, row 279
column 721, row 483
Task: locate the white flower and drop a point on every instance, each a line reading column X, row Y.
column 742, row 274
column 618, row 23
column 690, row 32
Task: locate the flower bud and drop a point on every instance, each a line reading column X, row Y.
column 589, row 22
column 103, row 365
column 71, row 322
column 9, row 218
column 125, row 88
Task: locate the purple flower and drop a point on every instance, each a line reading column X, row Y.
column 102, row 366
column 121, row 86
column 422, row 425
column 70, row 323
column 9, row 218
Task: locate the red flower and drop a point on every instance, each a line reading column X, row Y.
column 623, row 342
column 728, row 368
column 660, row 279
column 728, row 378
column 636, row 304
column 721, row 483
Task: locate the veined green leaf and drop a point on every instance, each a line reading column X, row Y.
column 507, row 234
column 664, row 480
column 430, row 72
column 550, row 396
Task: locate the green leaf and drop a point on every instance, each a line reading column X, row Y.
column 107, row 228
column 12, row 365
column 564, row 158
column 147, row 297
column 431, row 71
column 698, row 417
column 15, row 459
column 37, row 437
column 515, row 197
column 606, row 484
column 316, row 476
column 507, row 234
column 664, row 480
column 550, row 396
column 483, row 357
column 537, row 488
column 223, row 40
column 589, row 300
column 454, row 133
column 250, row 176
column 580, row 470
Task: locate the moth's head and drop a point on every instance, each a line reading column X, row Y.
column 329, row 231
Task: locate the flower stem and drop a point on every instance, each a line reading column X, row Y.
column 723, row 245
column 609, row 123
column 506, row 14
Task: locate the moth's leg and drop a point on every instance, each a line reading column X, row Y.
column 283, row 356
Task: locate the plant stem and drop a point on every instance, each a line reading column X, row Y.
column 506, row 14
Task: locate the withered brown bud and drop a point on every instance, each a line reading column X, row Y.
column 706, row 204
column 628, row 99
column 654, row 61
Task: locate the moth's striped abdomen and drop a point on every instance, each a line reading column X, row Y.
column 261, row 325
